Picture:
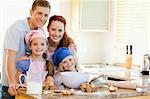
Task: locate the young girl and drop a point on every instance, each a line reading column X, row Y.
column 64, row 61
column 37, row 43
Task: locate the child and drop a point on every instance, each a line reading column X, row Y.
column 37, row 43
column 64, row 61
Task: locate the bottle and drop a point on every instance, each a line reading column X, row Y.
column 128, row 62
column 145, row 67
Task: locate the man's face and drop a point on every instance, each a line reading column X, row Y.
column 39, row 16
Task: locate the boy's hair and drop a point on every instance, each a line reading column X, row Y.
column 60, row 54
column 42, row 3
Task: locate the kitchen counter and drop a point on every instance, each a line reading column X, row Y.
column 103, row 92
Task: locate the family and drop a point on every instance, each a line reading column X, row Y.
column 26, row 45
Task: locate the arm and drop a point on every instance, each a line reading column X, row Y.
column 57, row 79
column 10, row 64
column 49, row 68
column 23, row 58
column 49, row 83
column 73, row 48
column 17, row 75
column 12, row 45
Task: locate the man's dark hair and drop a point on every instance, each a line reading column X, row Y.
column 42, row 3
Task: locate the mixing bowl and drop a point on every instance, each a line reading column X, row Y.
column 74, row 79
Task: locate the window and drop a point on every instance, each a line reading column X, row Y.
column 131, row 28
column 95, row 15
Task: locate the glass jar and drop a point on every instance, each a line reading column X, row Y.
column 143, row 83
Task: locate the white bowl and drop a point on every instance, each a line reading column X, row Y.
column 74, row 79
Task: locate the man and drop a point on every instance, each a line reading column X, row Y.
column 14, row 46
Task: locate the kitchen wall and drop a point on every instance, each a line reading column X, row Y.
column 93, row 47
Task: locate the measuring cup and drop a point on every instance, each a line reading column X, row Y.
column 33, row 81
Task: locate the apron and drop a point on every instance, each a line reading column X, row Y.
column 36, row 66
column 36, row 70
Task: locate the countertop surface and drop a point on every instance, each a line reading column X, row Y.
column 103, row 92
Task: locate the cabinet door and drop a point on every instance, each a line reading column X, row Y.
column 95, row 15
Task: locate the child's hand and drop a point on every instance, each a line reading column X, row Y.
column 49, row 83
column 68, row 92
column 86, row 87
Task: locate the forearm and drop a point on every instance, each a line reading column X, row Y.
column 73, row 48
column 10, row 64
column 18, row 73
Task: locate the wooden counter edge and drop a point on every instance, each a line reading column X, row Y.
column 23, row 95
column 137, row 97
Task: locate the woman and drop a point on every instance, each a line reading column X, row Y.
column 58, row 36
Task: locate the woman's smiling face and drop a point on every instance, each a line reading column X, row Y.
column 56, row 31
